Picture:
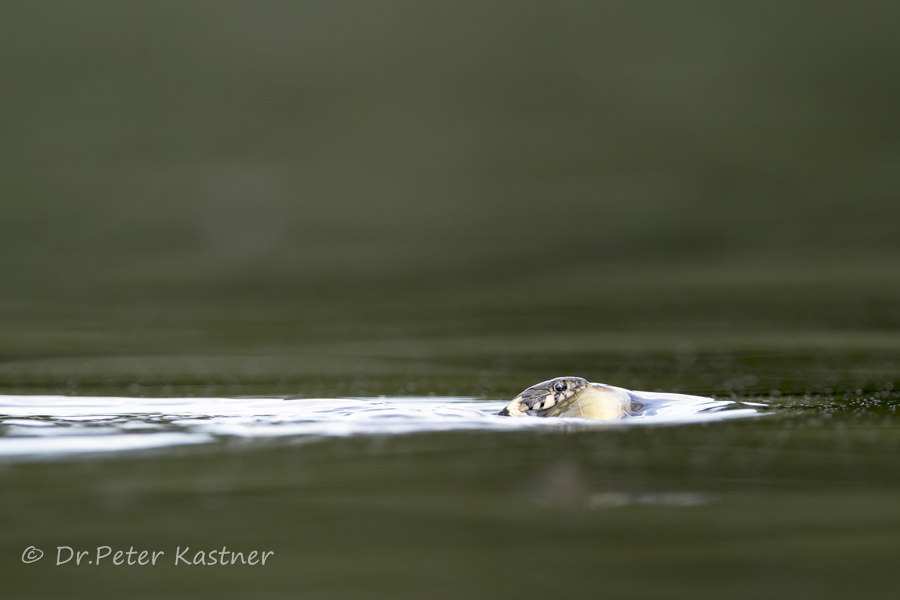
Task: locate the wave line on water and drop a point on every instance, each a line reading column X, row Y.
column 55, row 427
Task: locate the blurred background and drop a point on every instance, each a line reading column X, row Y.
column 349, row 197
column 346, row 198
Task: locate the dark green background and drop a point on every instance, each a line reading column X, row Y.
column 326, row 199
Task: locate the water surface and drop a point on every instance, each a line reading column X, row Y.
column 57, row 427
column 242, row 244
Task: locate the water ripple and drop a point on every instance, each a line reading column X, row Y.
column 54, row 427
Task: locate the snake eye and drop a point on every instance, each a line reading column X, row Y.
column 560, row 386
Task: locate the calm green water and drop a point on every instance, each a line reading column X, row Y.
column 802, row 502
column 358, row 199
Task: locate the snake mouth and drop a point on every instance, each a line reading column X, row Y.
column 519, row 408
column 563, row 405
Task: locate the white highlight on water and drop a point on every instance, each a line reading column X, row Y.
column 53, row 427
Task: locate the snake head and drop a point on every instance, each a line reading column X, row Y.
column 537, row 400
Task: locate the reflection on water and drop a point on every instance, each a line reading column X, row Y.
column 564, row 485
column 35, row 427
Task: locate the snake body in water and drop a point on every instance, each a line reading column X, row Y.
column 571, row 397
